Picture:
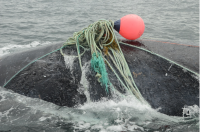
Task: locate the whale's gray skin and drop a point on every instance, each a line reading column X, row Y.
column 50, row 78
column 161, row 83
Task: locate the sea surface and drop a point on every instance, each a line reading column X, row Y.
column 25, row 24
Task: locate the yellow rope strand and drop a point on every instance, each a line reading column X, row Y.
column 100, row 38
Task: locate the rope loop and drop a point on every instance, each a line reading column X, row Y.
column 100, row 38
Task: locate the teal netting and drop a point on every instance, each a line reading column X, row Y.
column 98, row 65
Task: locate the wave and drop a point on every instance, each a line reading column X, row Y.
column 12, row 48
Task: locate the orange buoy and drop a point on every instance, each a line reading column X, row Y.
column 130, row 26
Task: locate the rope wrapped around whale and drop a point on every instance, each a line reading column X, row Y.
column 100, row 38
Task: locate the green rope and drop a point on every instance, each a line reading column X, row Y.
column 96, row 37
column 39, row 59
column 28, row 65
column 98, row 65
column 161, row 57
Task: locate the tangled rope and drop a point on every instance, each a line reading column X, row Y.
column 100, row 38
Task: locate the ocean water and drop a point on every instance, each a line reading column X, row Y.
column 32, row 23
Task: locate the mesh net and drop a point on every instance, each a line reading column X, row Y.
column 98, row 65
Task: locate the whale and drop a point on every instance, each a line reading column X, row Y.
column 43, row 72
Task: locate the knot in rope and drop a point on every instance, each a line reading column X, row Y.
column 100, row 38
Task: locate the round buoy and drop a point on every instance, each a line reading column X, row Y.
column 130, row 26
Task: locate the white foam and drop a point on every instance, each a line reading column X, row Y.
column 82, row 125
column 191, row 111
column 84, row 82
column 134, row 127
column 69, row 61
column 116, row 128
column 129, row 102
column 42, row 118
column 11, row 48
column 97, row 126
column 128, row 114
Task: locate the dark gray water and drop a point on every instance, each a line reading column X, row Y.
column 31, row 23
column 24, row 22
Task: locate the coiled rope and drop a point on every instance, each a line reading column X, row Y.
column 100, row 38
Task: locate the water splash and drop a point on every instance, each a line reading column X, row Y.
column 191, row 111
column 69, row 61
column 12, row 48
column 106, row 115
